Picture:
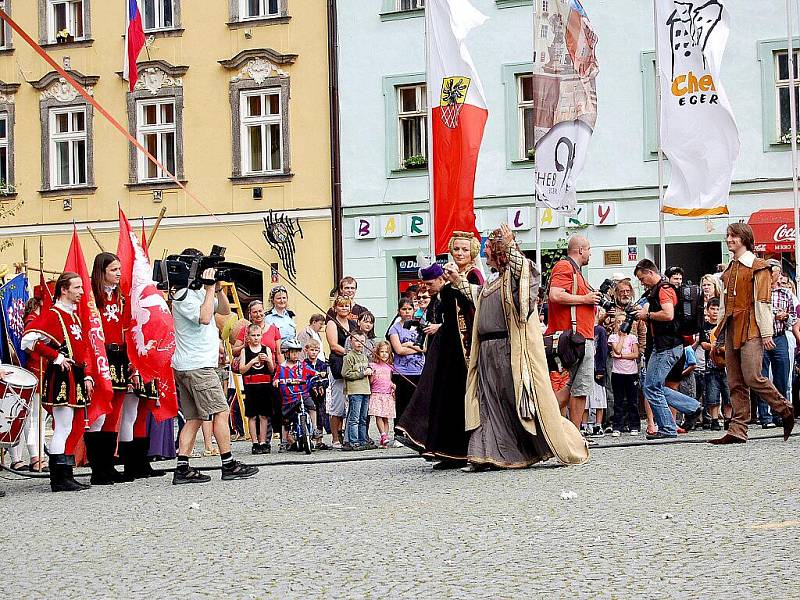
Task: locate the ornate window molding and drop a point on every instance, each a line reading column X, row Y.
column 157, row 80
column 259, row 70
column 55, row 95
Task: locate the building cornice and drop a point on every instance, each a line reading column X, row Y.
column 52, row 77
column 245, row 56
column 8, row 88
column 162, row 65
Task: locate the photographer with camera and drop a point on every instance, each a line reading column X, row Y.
column 572, row 305
column 194, row 363
column 664, row 350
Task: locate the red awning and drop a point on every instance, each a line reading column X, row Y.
column 773, row 229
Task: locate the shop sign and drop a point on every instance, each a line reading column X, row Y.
column 391, row 226
column 605, row 213
column 366, row 228
column 519, row 218
column 549, row 219
column 409, row 266
column 578, row 219
column 418, row 224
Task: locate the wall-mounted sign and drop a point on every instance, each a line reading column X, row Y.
column 578, row 219
column 417, row 224
column 519, row 218
column 632, row 254
column 549, row 219
column 605, row 213
column 612, row 258
column 366, row 228
column 392, row 226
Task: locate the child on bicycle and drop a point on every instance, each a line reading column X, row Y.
column 292, row 380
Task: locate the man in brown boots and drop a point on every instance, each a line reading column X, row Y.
column 745, row 328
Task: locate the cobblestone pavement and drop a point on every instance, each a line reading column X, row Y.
column 655, row 521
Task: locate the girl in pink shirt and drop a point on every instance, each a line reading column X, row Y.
column 381, row 400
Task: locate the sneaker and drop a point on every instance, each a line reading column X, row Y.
column 347, row 447
column 283, row 447
column 396, row 444
column 616, row 433
column 370, row 445
column 256, row 449
column 608, row 430
column 769, row 425
column 658, row 435
column 634, row 432
column 597, row 431
column 237, row 470
column 715, row 425
column 190, row 475
column 691, row 420
column 336, row 446
column 266, row 448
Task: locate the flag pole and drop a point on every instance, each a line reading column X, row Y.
column 429, row 140
column 793, row 130
column 537, row 213
column 662, row 247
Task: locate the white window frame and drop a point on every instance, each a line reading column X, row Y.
column 421, row 113
column 71, row 137
column 784, row 84
column 410, row 5
column 5, row 32
column 159, row 129
column 5, row 143
column 264, row 121
column 522, row 105
column 263, row 12
column 159, row 15
column 71, row 18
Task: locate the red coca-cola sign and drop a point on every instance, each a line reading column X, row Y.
column 773, row 230
column 783, row 233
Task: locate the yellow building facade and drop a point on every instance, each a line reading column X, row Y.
column 232, row 97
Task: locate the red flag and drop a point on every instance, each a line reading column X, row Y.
column 44, row 292
column 458, row 116
column 134, row 42
column 90, row 319
column 151, row 336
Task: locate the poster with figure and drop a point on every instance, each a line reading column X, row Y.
column 564, row 97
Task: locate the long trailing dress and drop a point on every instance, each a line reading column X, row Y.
column 433, row 423
column 511, row 409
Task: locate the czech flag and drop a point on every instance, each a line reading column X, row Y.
column 134, row 42
column 457, row 116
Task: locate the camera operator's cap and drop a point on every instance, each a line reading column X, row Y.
column 431, row 273
column 615, row 277
column 290, row 344
column 773, row 262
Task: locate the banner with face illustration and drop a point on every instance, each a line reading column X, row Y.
column 564, row 97
column 698, row 131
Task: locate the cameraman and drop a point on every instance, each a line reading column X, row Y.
column 665, row 348
column 194, row 364
column 562, row 297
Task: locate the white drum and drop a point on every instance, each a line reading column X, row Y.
column 17, row 387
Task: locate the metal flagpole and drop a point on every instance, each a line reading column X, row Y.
column 537, row 213
column 793, row 130
column 40, row 440
column 662, row 247
column 429, row 138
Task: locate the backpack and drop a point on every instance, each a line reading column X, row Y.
column 690, row 310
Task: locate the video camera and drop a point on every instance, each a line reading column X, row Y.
column 418, row 324
column 606, row 302
column 185, row 270
column 630, row 315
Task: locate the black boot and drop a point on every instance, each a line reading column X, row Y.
column 59, row 475
column 127, row 454
column 143, row 468
column 110, row 448
column 71, row 472
column 96, row 453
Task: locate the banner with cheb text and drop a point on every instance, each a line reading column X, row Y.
column 698, row 130
column 564, row 97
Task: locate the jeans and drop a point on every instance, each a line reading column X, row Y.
column 778, row 358
column 661, row 397
column 716, row 386
column 357, row 412
column 626, row 401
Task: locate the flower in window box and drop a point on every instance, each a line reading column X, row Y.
column 786, row 138
column 531, row 154
column 415, row 162
column 64, row 36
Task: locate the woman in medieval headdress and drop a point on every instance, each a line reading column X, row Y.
column 511, row 409
column 433, row 423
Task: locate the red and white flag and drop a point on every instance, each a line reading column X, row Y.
column 457, row 116
column 151, row 336
column 90, row 319
column 134, row 42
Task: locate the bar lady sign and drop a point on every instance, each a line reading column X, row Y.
column 698, row 131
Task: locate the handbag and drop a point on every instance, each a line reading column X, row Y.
column 565, row 349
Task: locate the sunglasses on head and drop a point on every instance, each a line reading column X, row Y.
column 278, row 288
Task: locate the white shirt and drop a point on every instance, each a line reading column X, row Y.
column 196, row 345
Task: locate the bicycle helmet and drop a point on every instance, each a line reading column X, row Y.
column 290, row 344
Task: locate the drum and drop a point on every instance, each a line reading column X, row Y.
column 17, row 387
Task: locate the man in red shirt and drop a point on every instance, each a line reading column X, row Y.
column 568, row 291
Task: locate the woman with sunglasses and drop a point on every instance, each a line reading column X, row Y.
column 279, row 315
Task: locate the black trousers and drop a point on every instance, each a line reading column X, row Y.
column 626, row 401
column 405, row 387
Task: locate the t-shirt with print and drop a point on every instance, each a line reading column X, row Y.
column 559, row 318
column 196, row 345
column 624, row 366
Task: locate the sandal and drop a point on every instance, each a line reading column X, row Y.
column 19, row 466
column 34, row 466
column 212, row 452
